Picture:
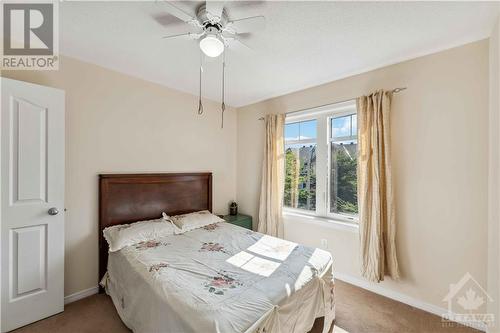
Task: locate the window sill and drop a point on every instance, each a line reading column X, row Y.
column 322, row 221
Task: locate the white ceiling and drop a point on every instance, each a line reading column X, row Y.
column 304, row 43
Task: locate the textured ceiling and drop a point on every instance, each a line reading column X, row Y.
column 304, row 43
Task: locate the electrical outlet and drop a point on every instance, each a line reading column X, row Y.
column 324, row 243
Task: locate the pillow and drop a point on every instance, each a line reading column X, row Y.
column 192, row 221
column 119, row 236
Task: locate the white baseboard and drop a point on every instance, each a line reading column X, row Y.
column 427, row 307
column 80, row 294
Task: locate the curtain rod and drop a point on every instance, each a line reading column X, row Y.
column 394, row 91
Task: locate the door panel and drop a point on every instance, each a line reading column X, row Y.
column 29, row 147
column 32, row 181
column 28, row 260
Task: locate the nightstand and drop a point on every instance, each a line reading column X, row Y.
column 241, row 220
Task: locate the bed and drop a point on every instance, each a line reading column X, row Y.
column 219, row 278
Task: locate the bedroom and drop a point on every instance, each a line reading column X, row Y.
column 300, row 76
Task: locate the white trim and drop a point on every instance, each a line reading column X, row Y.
column 300, row 142
column 80, row 295
column 327, row 222
column 299, row 211
column 394, row 295
column 312, row 113
column 342, row 218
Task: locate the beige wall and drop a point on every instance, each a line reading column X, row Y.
column 440, row 163
column 117, row 123
column 494, row 176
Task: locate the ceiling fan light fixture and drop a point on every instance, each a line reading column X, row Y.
column 212, row 45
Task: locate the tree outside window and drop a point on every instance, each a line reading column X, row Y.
column 300, row 165
column 337, row 175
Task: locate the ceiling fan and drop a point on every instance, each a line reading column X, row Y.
column 215, row 32
column 213, row 27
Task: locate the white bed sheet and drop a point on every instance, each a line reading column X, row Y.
column 221, row 278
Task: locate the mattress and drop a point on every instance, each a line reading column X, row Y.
column 221, row 278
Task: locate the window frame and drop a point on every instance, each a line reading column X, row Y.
column 304, row 142
column 301, row 141
column 336, row 216
column 323, row 116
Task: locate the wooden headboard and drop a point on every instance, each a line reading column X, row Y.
column 127, row 198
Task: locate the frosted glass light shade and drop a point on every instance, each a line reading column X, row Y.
column 212, row 46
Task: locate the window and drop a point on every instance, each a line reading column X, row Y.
column 321, row 162
column 300, row 168
column 343, row 165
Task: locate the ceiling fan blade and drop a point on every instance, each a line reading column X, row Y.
column 249, row 24
column 164, row 19
column 186, row 35
column 238, row 46
column 215, row 8
column 229, row 34
column 179, row 13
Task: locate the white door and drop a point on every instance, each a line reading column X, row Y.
column 32, row 203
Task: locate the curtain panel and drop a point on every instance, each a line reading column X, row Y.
column 273, row 171
column 377, row 225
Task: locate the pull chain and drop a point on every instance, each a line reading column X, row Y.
column 223, row 105
column 200, row 104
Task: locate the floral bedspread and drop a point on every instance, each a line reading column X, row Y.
column 221, row 278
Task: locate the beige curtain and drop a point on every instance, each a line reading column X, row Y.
column 377, row 224
column 273, row 170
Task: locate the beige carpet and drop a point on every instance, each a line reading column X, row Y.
column 358, row 311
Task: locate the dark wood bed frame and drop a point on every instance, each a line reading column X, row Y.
column 128, row 198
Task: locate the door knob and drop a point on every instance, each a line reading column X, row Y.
column 53, row 211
